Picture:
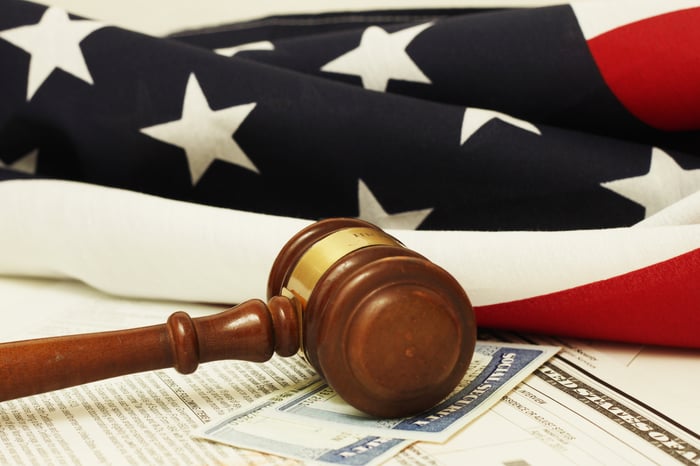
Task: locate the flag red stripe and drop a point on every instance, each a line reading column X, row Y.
column 659, row 304
column 652, row 66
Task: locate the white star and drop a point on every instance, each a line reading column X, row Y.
column 53, row 42
column 26, row 164
column 373, row 212
column 475, row 118
column 664, row 184
column 203, row 133
column 260, row 45
column 381, row 56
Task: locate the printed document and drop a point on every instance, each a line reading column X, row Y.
column 588, row 404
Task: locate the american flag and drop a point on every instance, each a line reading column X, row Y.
column 548, row 157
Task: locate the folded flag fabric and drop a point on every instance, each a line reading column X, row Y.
column 548, row 157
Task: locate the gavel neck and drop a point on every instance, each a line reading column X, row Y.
column 251, row 331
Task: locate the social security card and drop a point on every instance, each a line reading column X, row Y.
column 495, row 369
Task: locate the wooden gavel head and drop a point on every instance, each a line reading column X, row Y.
column 390, row 331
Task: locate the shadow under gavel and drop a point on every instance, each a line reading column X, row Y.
column 390, row 331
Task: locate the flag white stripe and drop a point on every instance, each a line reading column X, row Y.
column 138, row 245
column 596, row 18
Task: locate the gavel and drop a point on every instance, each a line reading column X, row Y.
column 391, row 332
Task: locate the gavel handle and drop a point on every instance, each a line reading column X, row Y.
column 251, row 331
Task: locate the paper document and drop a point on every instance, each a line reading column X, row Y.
column 565, row 414
column 148, row 418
